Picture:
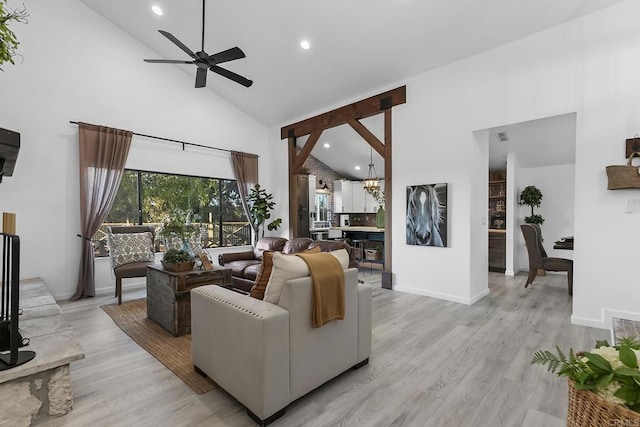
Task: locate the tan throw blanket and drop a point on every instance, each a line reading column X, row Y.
column 327, row 276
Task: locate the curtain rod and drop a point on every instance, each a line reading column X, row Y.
column 170, row 140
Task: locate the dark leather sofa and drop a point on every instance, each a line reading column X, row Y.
column 245, row 266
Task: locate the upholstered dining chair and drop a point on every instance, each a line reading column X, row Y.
column 538, row 258
column 131, row 251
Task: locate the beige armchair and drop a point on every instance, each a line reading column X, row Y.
column 268, row 355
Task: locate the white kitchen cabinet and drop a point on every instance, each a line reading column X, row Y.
column 337, row 196
column 351, row 197
column 347, row 196
column 358, row 196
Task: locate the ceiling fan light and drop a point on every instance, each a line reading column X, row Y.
column 157, row 10
column 305, row 44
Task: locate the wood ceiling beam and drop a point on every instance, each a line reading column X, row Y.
column 358, row 110
column 306, row 150
column 368, row 136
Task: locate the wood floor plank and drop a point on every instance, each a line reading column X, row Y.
column 434, row 363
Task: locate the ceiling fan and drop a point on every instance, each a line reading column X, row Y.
column 204, row 61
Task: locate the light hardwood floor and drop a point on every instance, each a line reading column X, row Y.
column 434, row 363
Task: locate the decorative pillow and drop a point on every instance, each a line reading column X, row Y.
column 126, row 248
column 257, row 290
column 287, row 267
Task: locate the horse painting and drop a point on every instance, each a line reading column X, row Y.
column 426, row 215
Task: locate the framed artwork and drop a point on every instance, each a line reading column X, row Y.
column 427, row 215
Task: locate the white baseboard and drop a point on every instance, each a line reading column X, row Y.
column 443, row 296
column 105, row 290
column 606, row 321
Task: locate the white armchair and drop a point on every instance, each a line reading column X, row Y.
column 268, row 355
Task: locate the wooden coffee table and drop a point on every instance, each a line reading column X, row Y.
column 169, row 298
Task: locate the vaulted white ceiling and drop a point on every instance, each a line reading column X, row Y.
column 357, row 47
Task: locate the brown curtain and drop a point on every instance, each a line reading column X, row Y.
column 245, row 166
column 103, row 153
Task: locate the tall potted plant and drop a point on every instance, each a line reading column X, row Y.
column 532, row 196
column 260, row 206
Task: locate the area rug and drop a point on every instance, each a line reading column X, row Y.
column 172, row 352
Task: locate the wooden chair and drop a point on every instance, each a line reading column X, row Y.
column 134, row 269
column 538, row 258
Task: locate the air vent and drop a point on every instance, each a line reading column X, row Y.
column 502, row 136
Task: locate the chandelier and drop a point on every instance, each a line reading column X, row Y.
column 372, row 182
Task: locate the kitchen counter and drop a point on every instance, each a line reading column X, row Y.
column 357, row 228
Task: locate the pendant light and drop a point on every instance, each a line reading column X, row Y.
column 372, row 182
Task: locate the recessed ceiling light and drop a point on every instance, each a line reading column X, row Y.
column 327, row 145
column 157, row 10
column 305, row 44
column 357, row 168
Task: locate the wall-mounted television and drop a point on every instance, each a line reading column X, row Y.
column 9, row 147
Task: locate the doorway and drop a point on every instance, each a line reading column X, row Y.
column 540, row 153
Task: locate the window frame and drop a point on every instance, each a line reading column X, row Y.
column 140, row 199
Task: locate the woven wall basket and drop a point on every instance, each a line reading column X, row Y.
column 587, row 409
column 623, row 176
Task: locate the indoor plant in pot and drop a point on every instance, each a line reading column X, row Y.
column 532, row 196
column 260, row 206
column 604, row 383
column 177, row 260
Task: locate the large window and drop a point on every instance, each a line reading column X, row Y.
column 212, row 204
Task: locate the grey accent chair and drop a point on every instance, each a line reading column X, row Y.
column 268, row 355
column 538, row 258
column 134, row 269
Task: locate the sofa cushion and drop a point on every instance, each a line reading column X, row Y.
column 287, row 267
column 296, row 245
column 251, row 272
column 268, row 244
column 333, row 245
column 127, row 248
column 266, row 267
column 238, row 267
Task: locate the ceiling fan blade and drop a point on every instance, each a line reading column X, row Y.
column 178, row 43
column 231, row 75
column 201, row 77
column 227, row 55
column 167, row 61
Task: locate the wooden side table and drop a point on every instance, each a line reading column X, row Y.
column 169, row 298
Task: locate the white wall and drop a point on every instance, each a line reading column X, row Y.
column 557, row 184
column 77, row 66
column 589, row 66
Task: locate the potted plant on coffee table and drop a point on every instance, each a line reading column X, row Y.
column 177, row 260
